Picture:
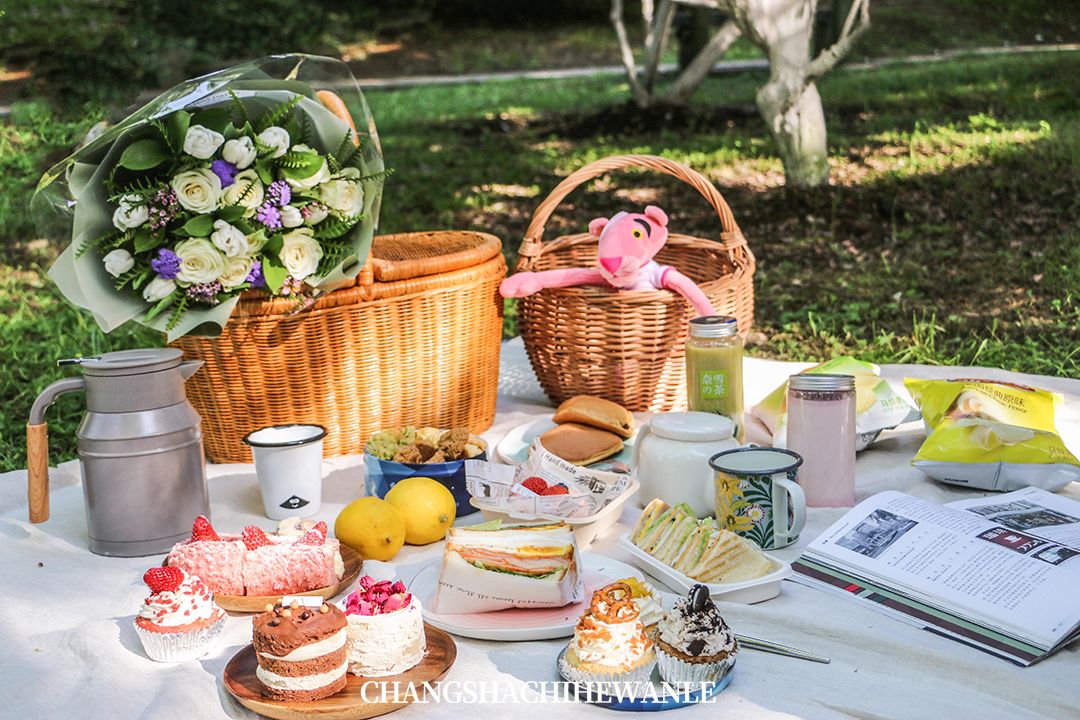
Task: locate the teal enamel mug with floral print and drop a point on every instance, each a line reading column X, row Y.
column 756, row 495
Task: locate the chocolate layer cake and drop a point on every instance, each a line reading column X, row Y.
column 300, row 650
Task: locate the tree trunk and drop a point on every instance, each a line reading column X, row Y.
column 799, row 132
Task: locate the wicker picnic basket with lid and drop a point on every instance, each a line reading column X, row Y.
column 413, row 341
column 627, row 346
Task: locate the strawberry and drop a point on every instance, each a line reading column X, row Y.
column 555, row 490
column 312, row 537
column 322, row 528
column 398, row 587
column 535, row 484
column 201, row 529
column 254, row 538
column 163, row 579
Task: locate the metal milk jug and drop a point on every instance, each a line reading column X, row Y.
column 140, row 451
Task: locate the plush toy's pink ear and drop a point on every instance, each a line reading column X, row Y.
column 657, row 215
column 597, row 226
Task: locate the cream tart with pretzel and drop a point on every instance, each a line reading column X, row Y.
column 610, row 643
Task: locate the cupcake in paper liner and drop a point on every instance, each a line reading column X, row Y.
column 179, row 620
column 610, row 649
column 694, row 644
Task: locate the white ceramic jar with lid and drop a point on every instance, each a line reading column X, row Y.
column 671, row 457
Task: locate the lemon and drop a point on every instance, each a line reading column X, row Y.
column 372, row 527
column 427, row 506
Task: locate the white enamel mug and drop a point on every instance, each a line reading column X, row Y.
column 288, row 461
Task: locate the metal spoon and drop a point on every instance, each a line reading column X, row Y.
column 778, row 649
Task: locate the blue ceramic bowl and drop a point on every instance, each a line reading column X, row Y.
column 381, row 475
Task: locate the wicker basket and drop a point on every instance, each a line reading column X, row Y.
column 415, row 341
column 627, row 346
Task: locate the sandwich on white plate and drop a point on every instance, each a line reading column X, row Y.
column 494, row 566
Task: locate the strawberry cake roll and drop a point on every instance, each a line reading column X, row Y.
column 254, row 563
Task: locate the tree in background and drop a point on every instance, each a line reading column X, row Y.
column 789, row 102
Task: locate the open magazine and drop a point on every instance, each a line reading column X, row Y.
column 998, row 573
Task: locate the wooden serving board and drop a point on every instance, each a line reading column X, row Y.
column 244, row 686
column 257, row 603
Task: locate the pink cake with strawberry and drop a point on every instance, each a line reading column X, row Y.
column 254, row 563
column 386, row 629
column 179, row 620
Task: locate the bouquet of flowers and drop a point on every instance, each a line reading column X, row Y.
column 251, row 178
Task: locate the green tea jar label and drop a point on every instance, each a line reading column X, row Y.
column 713, row 384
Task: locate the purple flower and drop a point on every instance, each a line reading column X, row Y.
column 205, row 293
column 279, row 193
column 166, row 264
column 255, row 277
column 226, row 171
column 269, row 216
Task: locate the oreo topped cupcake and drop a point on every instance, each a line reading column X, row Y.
column 694, row 644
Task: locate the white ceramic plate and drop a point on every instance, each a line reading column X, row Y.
column 513, row 448
column 516, row 624
column 749, row 591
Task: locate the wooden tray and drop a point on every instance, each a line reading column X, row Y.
column 241, row 683
column 257, row 603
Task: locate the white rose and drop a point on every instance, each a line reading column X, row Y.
column 236, row 271
column 300, row 253
column 131, row 214
column 240, row 152
column 320, row 176
column 118, row 262
column 229, row 239
column 291, row 217
column 197, row 190
column 202, row 142
column 277, row 138
column 255, row 242
column 350, row 172
column 237, row 193
column 316, row 213
column 346, row 197
column 200, row 261
column 158, row 289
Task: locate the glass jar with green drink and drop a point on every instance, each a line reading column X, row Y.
column 714, row 381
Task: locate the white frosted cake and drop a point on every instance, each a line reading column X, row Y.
column 385, row 629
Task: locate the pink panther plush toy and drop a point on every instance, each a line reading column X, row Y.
column 628, row 243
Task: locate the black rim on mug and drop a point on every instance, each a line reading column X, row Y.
column 287, row 443
column 763, row 471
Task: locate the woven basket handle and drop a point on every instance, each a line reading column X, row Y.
column 730, row 235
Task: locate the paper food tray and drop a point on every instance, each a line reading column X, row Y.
column 586, row 529
column 748, row 591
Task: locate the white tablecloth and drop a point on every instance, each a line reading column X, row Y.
column 70, row 652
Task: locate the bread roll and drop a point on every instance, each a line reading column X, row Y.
column 580, row 444
column 598, row 413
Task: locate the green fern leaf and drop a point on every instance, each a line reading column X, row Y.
column 277, row 115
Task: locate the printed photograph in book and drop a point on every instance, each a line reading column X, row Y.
column 876, row 533
column 1024, row 515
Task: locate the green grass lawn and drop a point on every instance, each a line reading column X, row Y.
column 949, row 235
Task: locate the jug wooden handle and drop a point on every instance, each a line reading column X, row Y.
column 37, row 471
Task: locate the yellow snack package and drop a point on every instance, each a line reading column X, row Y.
column 991, row 435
